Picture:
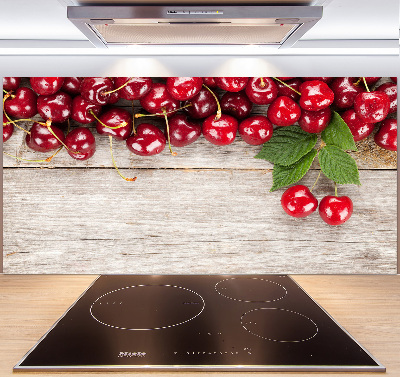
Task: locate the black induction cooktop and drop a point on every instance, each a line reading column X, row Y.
column 191, row 322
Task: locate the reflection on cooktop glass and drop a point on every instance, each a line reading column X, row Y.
column 191, row 322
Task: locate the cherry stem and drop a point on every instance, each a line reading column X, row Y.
column 15, row 124
column 133, row 118
column 166, row 112
column 319, row 174
column 219, row 111
column 18, row 120
column 116, row 90
column 365, row 83
column 168, row 137
column 321, row 146
column 262, row 82
column 5, row 97
column 123, row 124
column 115, row 165
column 48, row 159
column 8, row 94
column 282, row 82
column 358, row 81
column 336, row 194
column 54, row 154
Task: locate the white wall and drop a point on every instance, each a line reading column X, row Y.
column 82, row 65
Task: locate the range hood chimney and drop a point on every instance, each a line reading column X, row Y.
column 161, row 24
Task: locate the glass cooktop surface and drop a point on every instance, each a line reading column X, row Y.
column 193, row 322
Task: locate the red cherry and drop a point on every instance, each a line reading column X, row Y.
column 314, row 121
column 386, row 137
column 222, row 131
column 345, row 91
column 231, row 84
column 256, row 130
column 11, row 83
column 203, row 104
column 157, row 99
column 8, row 129
column 372, row 107
column 93, row 89
column 298, row 201
column 315, row 95
column 23, row 105
column 80, row 110
column 394, row 79
column 335, row 210
column 72, row 85
column 56, row 107
column 112, row 118
column 391, row 91
column 371, row 80
column 80, row 140
column 184, row 88
column 283, row 90
column 359, row 129
column 285, row 78
column 324, row 79
column 261, row 92
column 283, row 111
column 114, row 98
column 137, row 87
column 183, row 131
column 210, row 82
column 41, row 139
column 148, row 140
column 46, row 85
column 236, row 104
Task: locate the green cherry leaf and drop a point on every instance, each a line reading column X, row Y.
column 338, row 165
column 338, row 133
column 286, row 175
column 287, row 145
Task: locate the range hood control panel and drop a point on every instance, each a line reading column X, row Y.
column 196, row 12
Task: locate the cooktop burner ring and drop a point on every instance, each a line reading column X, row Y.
column 189, row 300
column 281, row 295
column 306, row 322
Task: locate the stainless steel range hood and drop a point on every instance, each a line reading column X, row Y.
column 161, row 24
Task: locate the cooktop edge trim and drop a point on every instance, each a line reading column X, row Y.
column 18, row 365
column 379, row 364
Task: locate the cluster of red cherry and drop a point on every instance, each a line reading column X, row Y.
column 362, row 110
column 216, row 107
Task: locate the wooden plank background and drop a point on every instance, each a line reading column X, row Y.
column 206, row 210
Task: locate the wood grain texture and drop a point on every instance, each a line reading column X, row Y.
column 205, row 220
column 368, row 307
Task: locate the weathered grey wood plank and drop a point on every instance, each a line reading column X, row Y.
column 189, row 221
